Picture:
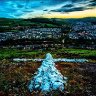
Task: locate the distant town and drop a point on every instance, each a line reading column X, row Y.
column 49, row 33
column 34, row 33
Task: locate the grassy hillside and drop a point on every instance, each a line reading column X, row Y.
column 14, row 25
column 59, row 53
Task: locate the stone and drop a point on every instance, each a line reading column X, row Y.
column 47, row 78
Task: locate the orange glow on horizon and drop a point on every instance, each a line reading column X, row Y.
column 78, row 14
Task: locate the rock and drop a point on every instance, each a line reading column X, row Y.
column 47, row 77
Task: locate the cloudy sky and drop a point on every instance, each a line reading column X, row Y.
column 47, row 8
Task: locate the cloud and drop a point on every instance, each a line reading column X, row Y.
column 78, row 5
column 69, row 10
column 92, row 3
column 45, row 10
column 68, row 5
column 17, row 8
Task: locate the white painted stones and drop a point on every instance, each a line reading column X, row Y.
column 47, row 78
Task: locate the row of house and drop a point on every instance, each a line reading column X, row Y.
column 83, row 29
column 33, row 33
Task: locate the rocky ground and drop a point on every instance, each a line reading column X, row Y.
column 14, row 78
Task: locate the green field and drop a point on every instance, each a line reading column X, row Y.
column 60, row 53
column 83, row 53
